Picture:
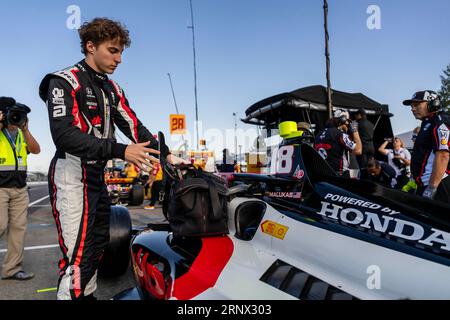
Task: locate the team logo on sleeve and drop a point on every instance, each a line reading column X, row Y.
column 58, row 96
column 443, row 136
column 348, row 142
column 59, row 111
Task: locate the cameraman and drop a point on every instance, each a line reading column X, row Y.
column 16, row 142
column 399, row 158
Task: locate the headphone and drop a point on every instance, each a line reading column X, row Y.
column 342, row 116
column 434, row 102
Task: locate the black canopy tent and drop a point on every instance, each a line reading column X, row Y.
column 309, row 104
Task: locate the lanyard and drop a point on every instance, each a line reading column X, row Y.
column 8, row 136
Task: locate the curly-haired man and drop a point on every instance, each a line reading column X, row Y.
column 83, row 106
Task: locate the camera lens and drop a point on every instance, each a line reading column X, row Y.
column 16, row 118
column 398, row 163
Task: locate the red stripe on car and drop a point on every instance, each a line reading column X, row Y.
column 206, row 269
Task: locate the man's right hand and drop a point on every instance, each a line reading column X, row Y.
column 139, row 154
column 352, row 126
column 429, row 192
column 1, row 119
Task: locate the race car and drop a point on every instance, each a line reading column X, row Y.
column 303, row 233
column 125, row 190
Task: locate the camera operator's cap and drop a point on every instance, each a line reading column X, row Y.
column 421, row 96
column 6, row 102
column 21, row 107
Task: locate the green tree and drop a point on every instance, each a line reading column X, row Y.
column 445, row 88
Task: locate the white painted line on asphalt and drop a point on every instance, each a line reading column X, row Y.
column 35, row 248
column 37, row 201
column 37, row 184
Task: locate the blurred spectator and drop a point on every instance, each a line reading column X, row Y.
column 130, row 171
column 117, row 173
column 379, row 172
column 366, row 132
column 145, row 181
column 399, row 158
column 228, row 162
column 155, row 183
column 108, row 174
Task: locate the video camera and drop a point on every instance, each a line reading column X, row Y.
column 13, row 113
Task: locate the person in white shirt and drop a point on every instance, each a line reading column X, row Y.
column 399, row 158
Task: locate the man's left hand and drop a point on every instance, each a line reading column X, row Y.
column 24, row 127
column 429, row 192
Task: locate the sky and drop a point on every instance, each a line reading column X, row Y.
column 247, row 50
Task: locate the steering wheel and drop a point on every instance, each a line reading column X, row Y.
column 174, row 172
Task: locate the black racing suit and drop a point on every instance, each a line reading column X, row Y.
column 333, row 144
column 83, row 107
column 366, row 132
column 434, row 135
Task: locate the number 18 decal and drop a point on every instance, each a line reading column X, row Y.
column 282, row 160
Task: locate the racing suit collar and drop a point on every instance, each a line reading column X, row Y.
column 95, row 76
column 430, row 116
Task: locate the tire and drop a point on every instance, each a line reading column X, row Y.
column 136, row 195
column 116, row 258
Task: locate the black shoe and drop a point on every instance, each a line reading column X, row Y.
column 21, row 275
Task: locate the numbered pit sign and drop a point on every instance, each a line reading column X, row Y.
column 177, row 124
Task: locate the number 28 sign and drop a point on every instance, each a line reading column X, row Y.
column 177, row 124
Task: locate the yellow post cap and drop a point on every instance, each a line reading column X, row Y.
column 287, row 127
